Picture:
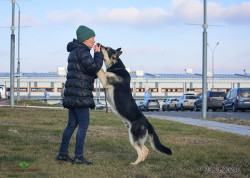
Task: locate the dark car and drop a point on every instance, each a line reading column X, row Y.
column 237, row 99
column 169, row 104
column 59, row 103
column 151, row 105
column 214, row 100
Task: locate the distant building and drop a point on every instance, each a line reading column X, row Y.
column 161, row 86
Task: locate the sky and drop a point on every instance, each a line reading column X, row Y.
column 155, row 36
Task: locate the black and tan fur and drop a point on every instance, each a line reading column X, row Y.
column 116, row 80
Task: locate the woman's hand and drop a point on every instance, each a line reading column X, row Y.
column 97, row 47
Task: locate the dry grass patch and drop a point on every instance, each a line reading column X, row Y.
column 106, row 131
column 193, row 141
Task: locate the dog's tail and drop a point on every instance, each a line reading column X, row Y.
column 155, row 142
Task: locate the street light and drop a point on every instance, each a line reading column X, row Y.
column 12, row 55
column 213, row 63
column 18, row 57
column 204, row 64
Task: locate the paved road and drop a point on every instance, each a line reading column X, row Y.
column 3, row 102
column 225, row 127
column 192, row 114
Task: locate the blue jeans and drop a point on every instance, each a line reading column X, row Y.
column 77, row 116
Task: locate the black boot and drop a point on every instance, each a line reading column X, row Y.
column 63, row 157
column 81, row 160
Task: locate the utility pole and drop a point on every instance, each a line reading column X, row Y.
column 204, row 64
column 12, row 55
column 18, row 58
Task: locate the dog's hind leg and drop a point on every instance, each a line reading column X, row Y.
column 139, row 150
column 137, row 147
column 142, row 152
column 137, row 138
column 145, row 152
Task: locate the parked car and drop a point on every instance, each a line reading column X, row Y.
column 151, row 105
column 169, row 104
column 214, row 100
column 141, row 106
column 186, row 101
column 99, row 105
column 59, row 103
column 2, row 92
column 237, row 99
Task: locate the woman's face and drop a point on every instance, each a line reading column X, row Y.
column 90, row 42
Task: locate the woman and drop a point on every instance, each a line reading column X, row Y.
column 78, row 97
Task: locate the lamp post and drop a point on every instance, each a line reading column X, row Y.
column 18, row 57
column 204, row 64
column 213, row 63
column 12, row 55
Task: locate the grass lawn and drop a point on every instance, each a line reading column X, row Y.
column 33, row 136
column 25, row 102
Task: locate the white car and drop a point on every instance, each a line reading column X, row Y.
column 2, row 92
column 186, row 101
column 169, row 104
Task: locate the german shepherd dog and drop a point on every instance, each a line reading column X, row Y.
column 116, row 81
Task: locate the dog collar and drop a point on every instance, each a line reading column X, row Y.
column 110, row 70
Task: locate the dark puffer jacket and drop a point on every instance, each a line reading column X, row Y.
column 82, row 69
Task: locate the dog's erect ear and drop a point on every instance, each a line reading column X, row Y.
column 118, row 52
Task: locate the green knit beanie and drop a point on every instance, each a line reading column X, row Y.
column 83, row 33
